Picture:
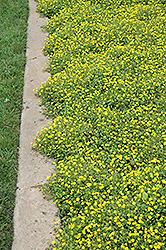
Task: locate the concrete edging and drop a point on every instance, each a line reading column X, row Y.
column 33, row 216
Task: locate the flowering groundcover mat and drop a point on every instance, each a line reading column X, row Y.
column 106, row 96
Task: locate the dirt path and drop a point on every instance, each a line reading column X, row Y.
column 33, row 216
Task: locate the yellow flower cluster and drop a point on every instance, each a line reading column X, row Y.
column 106, row 96
column 52, row 7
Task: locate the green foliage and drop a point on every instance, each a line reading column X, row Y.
column 13, row 26
column 106, row 97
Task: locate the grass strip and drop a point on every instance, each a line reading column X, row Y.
column 106, row 96
column 13, row 36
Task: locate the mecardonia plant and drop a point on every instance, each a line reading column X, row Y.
column 106, row 97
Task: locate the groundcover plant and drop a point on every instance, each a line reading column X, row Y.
column 106, row 97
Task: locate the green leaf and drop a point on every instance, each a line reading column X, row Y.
column 144, row 195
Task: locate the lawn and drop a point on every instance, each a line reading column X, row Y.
column 13, row 37
column 106, row 96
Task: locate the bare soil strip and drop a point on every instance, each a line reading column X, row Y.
column 33, row 215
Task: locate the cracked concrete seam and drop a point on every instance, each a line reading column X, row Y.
column 33, row 215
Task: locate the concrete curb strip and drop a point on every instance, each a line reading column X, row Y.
column 33, row 215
